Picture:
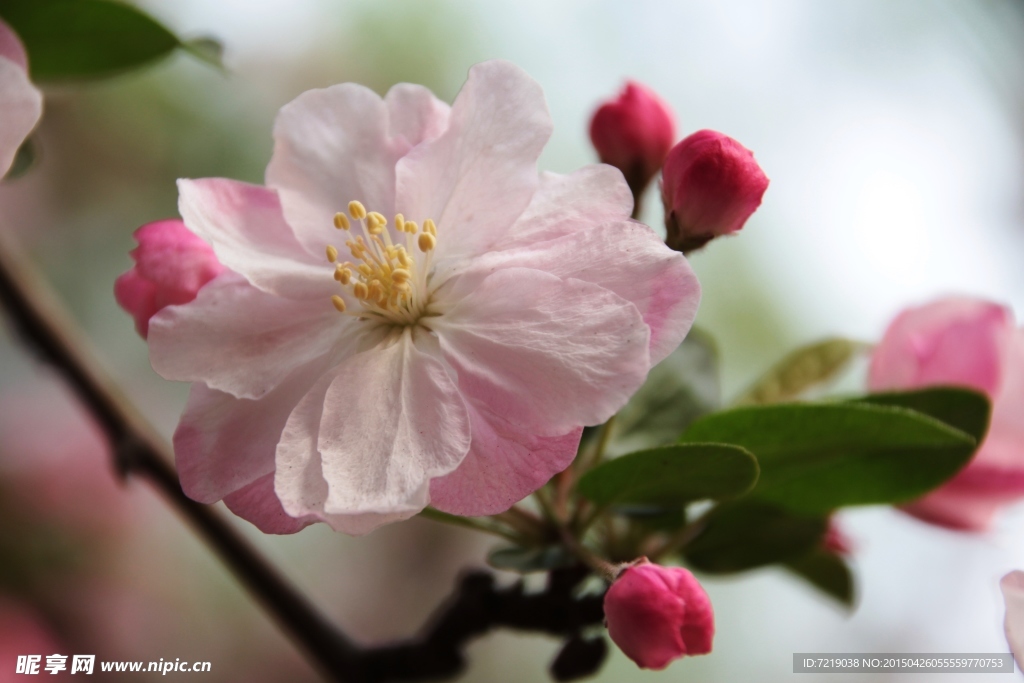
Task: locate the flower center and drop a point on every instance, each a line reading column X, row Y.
column 388, row 280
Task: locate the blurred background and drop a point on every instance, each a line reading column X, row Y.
column 891, row 130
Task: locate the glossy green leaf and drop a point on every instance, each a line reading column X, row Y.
column 748, row 534
column 827, row 572
column 803, row 369
column 526, row 560
column 83, row 39
column 815, row 458
column 671, row 475
column 965, row 409
column 678, row 390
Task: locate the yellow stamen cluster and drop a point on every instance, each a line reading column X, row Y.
column 382, row 276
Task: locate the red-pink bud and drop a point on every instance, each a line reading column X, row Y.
column 836, row 541
column 634, row 133
column 656, row 614
column 710, row 185
column 171, row 265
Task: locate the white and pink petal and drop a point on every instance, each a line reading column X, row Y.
column 548, row 354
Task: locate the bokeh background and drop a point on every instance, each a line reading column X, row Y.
column 891, row 130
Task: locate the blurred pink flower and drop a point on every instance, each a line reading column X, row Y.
column 710, row 186
column 971, row 343
column 22, row 632
column 21, row 104
column 633, row 133
column 171, row 266
column 1012, row 586
column 657, row 614
column 453, row 362
column 835, row 540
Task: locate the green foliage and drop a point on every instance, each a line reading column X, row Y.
column 815, row 458
column 678, row 390
column 24, row 160
column 827, row 572
column 801, row 370
column 747, row 534
column 71, row 40
column 525, row 560
column 672, row 476
column 965, row 409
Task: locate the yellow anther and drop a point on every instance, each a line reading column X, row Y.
column 426, row 241
column 401, row 276
column 377, row 218
column 411, row 227
column 341, row 221
column 339, row 303
column 429, row 226
column 360, row 290
column 404, row 258
column 356, row 210
column 332, row 253
column 399, row 222
column 343, row 275
column 365, row 270
column 376, row 290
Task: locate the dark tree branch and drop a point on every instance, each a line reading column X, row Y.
column 476, row 607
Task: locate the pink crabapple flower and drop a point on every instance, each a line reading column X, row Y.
column 633, row 133
column 971, row 343
column 1012, row 586
column 21, row 104
column 352, row 369
column 710, row 186
column 657, row 614
column 171, row 266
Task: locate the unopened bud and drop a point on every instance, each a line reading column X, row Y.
column 634, row 132
column 710, row 186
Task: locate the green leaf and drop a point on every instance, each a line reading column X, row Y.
column 678, row 390
column 826, row 571
column 748, row 534
column 815, row 458
column 24, row 160
column 965, row 409
column 671, row 475
column 83, row 39
column 525, row 560
column 801, row 370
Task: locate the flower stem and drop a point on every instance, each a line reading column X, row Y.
column 484, row 525
column 138, row 450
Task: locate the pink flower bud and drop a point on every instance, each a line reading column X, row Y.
column 710, row 185
column 656, row 614
column 171, row 265
column 970, row 343
column 836, row 541
column 634, row 133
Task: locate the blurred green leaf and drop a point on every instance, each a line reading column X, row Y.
column 801, row 370
column 209, row 50
column 672, row 475
column 678, row 390
column 826, row 571
column 24, row 159
column 748, row 534
column 526, row 560
column 83, row 39
column 964, row 409
column 815, row 458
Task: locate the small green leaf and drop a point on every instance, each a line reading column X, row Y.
column 84, row 39
column 965, row 409
column 678, row 390
column 748, row 534
column 209, row 50
column 672, row 475
column 525, row 560
column 801, row 370
column 24, row 160
column 815, row 458
column 826, row 571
